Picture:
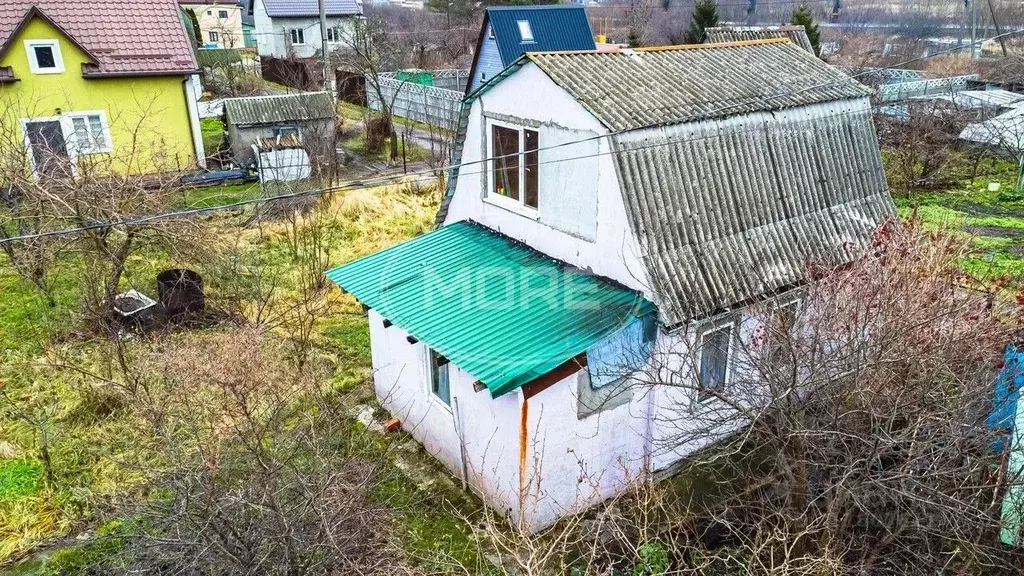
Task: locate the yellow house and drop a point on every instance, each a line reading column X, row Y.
column 220, row 22
column 98, row 85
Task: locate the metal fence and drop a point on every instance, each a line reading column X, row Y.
column 437, row 105
column 917, row 88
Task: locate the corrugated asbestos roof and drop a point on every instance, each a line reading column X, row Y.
column 796, row 34
column 297, row 107
column 555, row 27
column 732, row 209
column 499, row 310
column 638, row 88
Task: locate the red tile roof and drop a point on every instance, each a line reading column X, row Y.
column 123, row 37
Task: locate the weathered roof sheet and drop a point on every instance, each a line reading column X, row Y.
column 1005, row 131
column 730, row 210
column 647, row 87
column 796, row 34
column 499, row 310
column 555, row 27
column 252, row 110
column 123, row 37
column 305, row 8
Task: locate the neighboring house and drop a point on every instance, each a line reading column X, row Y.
column 76, row 93
column 220, row 22
column 510, row 31
column 589, row 288
column 306, row 117
column 796, row 34
column 292, row 27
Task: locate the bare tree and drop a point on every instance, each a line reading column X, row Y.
column 856, row 420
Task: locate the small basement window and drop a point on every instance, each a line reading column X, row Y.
column 714, row 361
column 525, row 32
column 44, row 56
column 437, row 367
column 515, row 174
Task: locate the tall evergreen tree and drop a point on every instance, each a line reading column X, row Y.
column 196, row 32
column 802, row 16
column 705, row 15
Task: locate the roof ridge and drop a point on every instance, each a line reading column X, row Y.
column 535, row 7
column 733, row 44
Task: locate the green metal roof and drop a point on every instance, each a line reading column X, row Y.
column 496, row 308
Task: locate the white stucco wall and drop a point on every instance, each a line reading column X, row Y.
column 581, row 218
column 273, row 36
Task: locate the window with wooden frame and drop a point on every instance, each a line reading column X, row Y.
column 437, row 372
column 515, row 161
column 714, row 359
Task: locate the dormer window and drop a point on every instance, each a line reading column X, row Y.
column 524, row 30
column 44, row 56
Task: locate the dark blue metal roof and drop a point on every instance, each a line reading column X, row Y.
column 555, row 28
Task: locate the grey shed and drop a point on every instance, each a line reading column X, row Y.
column 309, row 116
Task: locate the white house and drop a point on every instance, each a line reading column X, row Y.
column 614, row 217
column 292, row 27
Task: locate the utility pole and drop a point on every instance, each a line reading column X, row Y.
column 328, row 73
column 974, row 28
column 999, row 33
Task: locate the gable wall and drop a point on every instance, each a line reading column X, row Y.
column 273, row 36
column 581, row 218
column 488, row 62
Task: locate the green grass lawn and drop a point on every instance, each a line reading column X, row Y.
column 96, row 443
column 993, row 219
column 213, row 134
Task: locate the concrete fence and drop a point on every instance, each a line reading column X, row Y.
column 436, row 104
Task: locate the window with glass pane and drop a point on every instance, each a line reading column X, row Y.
column 44, row 57
column 505, row 149
column 531, row 169
column 439, row 384
column 96, row 132
column 714, row 361
column 222, row 13
column 524, row 30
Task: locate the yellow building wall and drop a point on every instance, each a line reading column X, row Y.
column 148, row 116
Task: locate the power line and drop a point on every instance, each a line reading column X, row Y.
column 383, row 181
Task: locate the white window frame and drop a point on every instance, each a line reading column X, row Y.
column 733, row 325
column 33, row 64
column 71, row 137
column 514, row 205
column 295, row 32
column 525, row 30
column 334, row 34
column 429, row 373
